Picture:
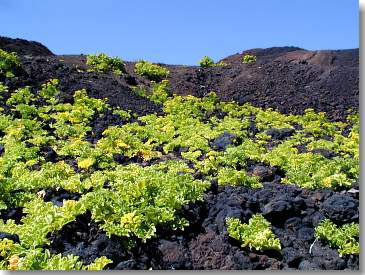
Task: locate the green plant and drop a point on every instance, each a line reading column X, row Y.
column 221, row 64
column 141, row 198
column 151, row 71
column 206, row 61
column 230, row 176
column 248, row 59
column 104, row 63
column 345, row 238
column 9, row 63
column 160, row 92
column 256, row 234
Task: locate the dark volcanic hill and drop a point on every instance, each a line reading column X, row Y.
column 289, row 79
column 23, row 47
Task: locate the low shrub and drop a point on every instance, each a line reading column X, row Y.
column 206, row 61
column 221, row 64
column 248, row 59
column 9, row 63
column 104, row 63
column 151, row 71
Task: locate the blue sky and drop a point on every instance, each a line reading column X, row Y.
column 180, row 31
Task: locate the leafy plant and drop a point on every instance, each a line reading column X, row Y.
column 151, row 71
column 248, row 59
column 345, row 238
column 160, row 92
column 229, row 176
column 9, row 63
column 221, row 64
column 206, row 61
column 256, row 234
column 141, row 198
column 104, row 63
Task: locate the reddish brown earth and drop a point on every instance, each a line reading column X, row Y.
column 287, row 78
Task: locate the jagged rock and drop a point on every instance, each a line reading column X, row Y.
column 280, row 133
column 221, row 142
column 341, row 209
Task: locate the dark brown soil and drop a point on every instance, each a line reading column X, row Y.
column 283, row 78
column 287, row 78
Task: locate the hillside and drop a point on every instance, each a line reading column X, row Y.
column 222, row 167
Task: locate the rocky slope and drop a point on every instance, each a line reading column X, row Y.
column 287, row 78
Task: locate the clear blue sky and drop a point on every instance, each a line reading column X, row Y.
column 180, row 31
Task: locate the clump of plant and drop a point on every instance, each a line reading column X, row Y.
column 206, row 61
column 151, row 71
column 345, row 238
column 9, row 63
column 230, row 176
column 248, row 59
column 256, row 234
column 104, row 63
column 221, row 64
column 160, row 92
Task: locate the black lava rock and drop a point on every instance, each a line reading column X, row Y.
column 324, row 152
column 280, row 209
column 174, row 255
column 263, row 172
column 280, row 133
column 221, row 142
column 13, row 237
column 13, row 213
column 130, row 265
column 341, row 209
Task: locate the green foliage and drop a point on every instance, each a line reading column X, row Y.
column 230, row 176
column 256, row 234
column 104, row 63
column 141, row 198
column 9, row 63
column 160, row 92
column 15, row 257
column 133, row 200
column 345, row 238
column 206, row 61
column 151, row 71
column 248, row 59
column 221, row 64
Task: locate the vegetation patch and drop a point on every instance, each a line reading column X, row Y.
column 9, row 63
column 248, row 59
column 256, row 234
column 151, row 71
column 104, row 63
column 206, row 61
column 345, row 238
